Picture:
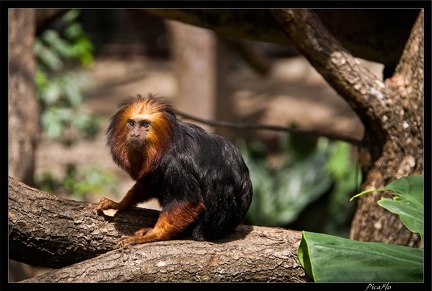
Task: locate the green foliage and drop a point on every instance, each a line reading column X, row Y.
column 408, row 203
column 346, row 179
column 306, row 170
column 60, row 92
column 79, row 182
column 327, row 258
column 62, row 57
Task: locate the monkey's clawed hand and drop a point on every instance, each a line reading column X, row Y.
column 107, row 207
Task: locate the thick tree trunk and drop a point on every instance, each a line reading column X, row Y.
column 401, row 152
column 45, row 230
column 391, row 112
column 23, row 108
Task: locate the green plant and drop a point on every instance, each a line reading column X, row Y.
column 79, row 182
column 327, row 258
column 306, row 170
column 62, row 57
column 59, row 88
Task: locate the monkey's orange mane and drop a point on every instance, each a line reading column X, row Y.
column 159, row 113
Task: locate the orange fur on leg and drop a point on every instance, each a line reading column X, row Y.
column 170, row 223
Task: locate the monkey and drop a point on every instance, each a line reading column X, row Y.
column 199, row 178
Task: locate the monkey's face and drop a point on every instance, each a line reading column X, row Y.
column 140, row 126
column 138, row 131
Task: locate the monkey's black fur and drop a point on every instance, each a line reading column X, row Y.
column 201, row 166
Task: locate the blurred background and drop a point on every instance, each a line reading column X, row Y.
column 89, row 61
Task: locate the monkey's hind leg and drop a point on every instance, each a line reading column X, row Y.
column 174, row 219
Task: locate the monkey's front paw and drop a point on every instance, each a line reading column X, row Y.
column 107, row 207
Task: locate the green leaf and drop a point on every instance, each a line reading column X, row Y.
column 47, row 56
column 71, row 15
column 408, row 203
column 412, row 185
column 327, row 258
column 73, row 31
column 60, row 45
column 41, row 79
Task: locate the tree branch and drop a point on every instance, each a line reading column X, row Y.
column 355, row 83
column 353, row 27
column 329, row 135
column 48, row 231
column 45, row 230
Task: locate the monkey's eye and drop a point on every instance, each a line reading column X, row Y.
column 145, row 123
column 130, row 122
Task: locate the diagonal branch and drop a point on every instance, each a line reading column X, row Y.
column 355, row 83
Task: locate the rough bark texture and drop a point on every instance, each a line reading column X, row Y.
column 401, row 153
column 48, row 231
column 374, row 34
column 23, row 110
column 392, row 115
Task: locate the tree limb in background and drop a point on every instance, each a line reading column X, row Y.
column 362, row 31
column 249, row 126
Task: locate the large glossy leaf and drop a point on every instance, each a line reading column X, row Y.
column 327, row 258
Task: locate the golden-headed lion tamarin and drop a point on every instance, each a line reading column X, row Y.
column 199, row 178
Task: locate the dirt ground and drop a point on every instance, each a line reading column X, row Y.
column 293, row 92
